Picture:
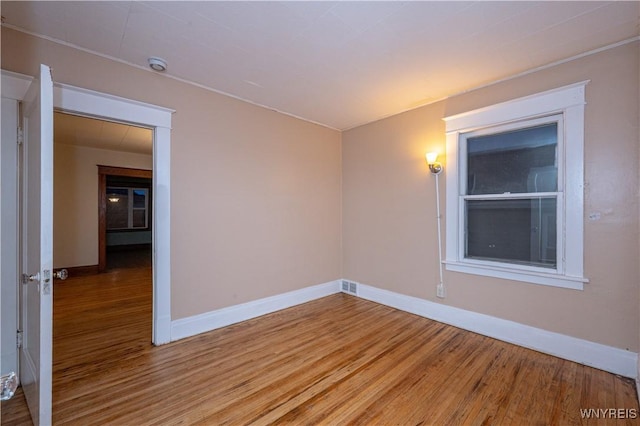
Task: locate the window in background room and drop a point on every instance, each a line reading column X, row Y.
column 127, row 208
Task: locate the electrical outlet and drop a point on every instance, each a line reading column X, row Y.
column 440, row 291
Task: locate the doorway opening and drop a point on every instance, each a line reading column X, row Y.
column 102, row 213
column 125, row 217
column 82, row 235
column 79, row 101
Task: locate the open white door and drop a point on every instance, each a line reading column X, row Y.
column 37, row 248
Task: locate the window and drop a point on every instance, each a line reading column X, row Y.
column 515, row 189
column 511, row 196
column 127, row 208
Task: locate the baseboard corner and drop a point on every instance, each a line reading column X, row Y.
column 208, row 321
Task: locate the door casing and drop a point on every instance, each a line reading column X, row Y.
column 79, row 101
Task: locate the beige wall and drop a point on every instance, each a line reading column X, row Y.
column 255, row 195
column 389, row 225
column 75, row 200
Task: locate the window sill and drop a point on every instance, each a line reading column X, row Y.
column 548, row 279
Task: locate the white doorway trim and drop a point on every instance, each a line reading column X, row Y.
column 86, row 102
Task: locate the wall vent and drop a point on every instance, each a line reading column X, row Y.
column 349, row 287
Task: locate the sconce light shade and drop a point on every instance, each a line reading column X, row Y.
column 434, row 166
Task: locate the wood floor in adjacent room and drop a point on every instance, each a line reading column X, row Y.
column 337, row 360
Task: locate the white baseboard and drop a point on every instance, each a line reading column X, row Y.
column 186, row 327
column 614, row 360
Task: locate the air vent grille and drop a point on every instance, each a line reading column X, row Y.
column 349, row 287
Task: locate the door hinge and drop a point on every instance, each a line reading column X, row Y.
column 20, row 136
column 19, row 339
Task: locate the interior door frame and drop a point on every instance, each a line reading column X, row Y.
column 103, row 172
column 85, row 102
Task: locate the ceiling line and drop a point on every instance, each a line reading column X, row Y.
column 521, row 74
column 173, row 77
column 220, row 92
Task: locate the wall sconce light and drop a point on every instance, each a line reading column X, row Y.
column 436, row 169
column 114, row 199
column 434, row 166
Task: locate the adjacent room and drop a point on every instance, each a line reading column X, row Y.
column 320, row 212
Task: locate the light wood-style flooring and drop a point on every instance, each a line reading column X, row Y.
column 337, row 360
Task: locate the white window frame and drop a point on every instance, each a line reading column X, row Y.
column 567, row 101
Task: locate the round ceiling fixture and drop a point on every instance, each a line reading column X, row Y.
column 157, row 64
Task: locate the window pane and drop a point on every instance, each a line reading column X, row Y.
column 117, row 208
column 518, row 161
column 139, row 198
column 519, row 231
column 139, row 218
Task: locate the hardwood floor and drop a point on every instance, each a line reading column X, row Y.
column 336, row 360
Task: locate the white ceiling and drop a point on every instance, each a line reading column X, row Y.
column 83, row 131
column 340, row 64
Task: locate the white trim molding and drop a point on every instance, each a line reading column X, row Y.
column 73, row 99
column 190, row 326
column 14, row 85
column 603, row 357
column 549, row 102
